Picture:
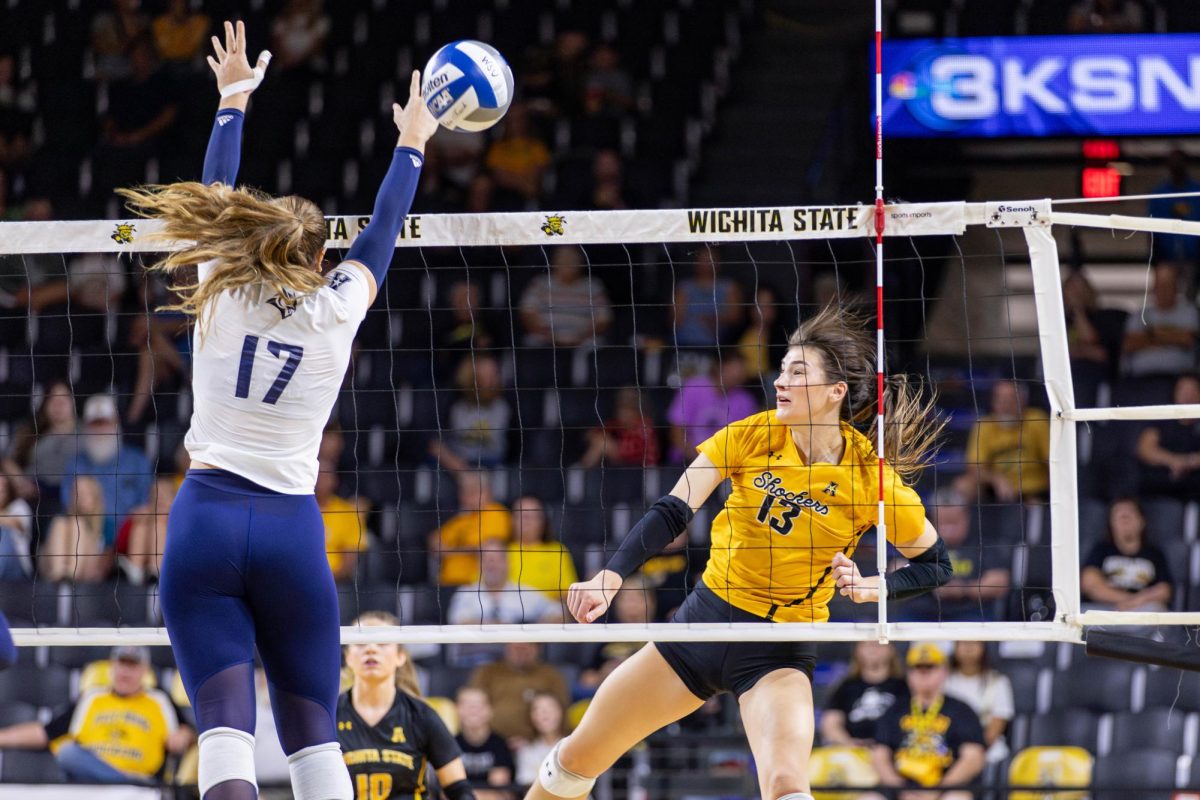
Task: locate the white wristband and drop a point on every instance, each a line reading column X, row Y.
column 249, row 84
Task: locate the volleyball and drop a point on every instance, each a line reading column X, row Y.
column 467, row 85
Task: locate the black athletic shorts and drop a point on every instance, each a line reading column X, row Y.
column 709, row 668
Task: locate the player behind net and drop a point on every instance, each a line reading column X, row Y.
column 388, row 733
column 804, row 490
column 245, row 559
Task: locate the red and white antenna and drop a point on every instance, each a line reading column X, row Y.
column 881, row 525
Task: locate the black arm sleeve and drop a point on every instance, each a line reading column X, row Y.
column 665, row 520
column 924, row 573
column 459, row 790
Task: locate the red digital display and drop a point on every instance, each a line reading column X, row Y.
column 1101, row 182
column 1101, row 150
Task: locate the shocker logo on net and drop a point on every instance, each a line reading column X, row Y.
column 555, row 225
column 123, row 233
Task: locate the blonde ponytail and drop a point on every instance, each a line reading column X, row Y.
column 254, row 239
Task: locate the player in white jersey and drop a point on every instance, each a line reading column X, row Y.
column 245, row 563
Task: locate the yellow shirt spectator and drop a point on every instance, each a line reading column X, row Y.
column 1017, row 451
column 464, row 535
column 345, row 534
column 129, row 732
column 545, row 566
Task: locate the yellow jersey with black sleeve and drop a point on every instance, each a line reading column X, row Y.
column 784, row 521
column 127, row 732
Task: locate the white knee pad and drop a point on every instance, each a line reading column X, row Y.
column 226, row 754
column 319, row 773
column 797, row 796
column 560, row 782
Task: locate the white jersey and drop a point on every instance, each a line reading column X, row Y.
column 266, row 372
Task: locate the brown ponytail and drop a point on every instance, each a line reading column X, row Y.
column 912, row 423
column 254, row 238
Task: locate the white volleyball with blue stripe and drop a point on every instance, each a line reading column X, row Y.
column 467, row 85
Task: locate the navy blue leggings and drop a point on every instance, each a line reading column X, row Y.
column 246, row 566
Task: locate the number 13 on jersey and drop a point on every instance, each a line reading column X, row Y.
column 249, row 349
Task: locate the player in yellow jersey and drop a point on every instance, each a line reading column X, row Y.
column 805, row 488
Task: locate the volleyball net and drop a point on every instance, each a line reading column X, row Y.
column 552, row 372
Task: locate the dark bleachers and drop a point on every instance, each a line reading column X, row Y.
column 29, row 766
column 1137, row 772
column 38, row 686
column 1158, row 728
column 1095, row 684
column 1073, row 726
column 1172, row 688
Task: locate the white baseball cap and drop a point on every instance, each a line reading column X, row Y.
column 100, row 407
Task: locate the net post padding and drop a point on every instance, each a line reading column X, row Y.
column 660, row 632
column 1056, row 369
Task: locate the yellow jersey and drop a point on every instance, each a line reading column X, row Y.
column 128, row 733
column 775, row 539
column 545, row 566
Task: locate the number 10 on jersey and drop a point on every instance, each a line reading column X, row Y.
column 277, row 349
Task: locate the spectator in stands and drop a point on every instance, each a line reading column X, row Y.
column 465, row 328
column 1169, row 450
column 16, row 114
column 934, row 741
column 517, row 160
column 547, row 716
column 79, row 544
column 555, row 78
column 1160, row 341
column 480, row 522
column 298, row 33
column 610, row 191
column 873, row 685
column 32, row 283
column 536, row 558
column 113, row 35
column 565, row 307
column 495, row 600
column 117, row 735
column 512, row 682
column 143, row 535
column 487, row 758
column 1126, row 572
column 1105, row 16
column 142, row 107
column 756, row 344
column 608, row 89
column 179, row 36
column 16, row 532
column 635, row 604
column 477, row 434
column 1090, row 356
column 982, row 571
column 628, row 439
column 1173, row 247
column 162, row 341
column 1008, row 450
column 987, row 691
column 708, row 308
column 123, row 471
column 706, row 403
column 43, row 449
column 345, row 523
column 459, row 155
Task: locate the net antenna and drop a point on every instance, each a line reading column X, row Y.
column 880, row 224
